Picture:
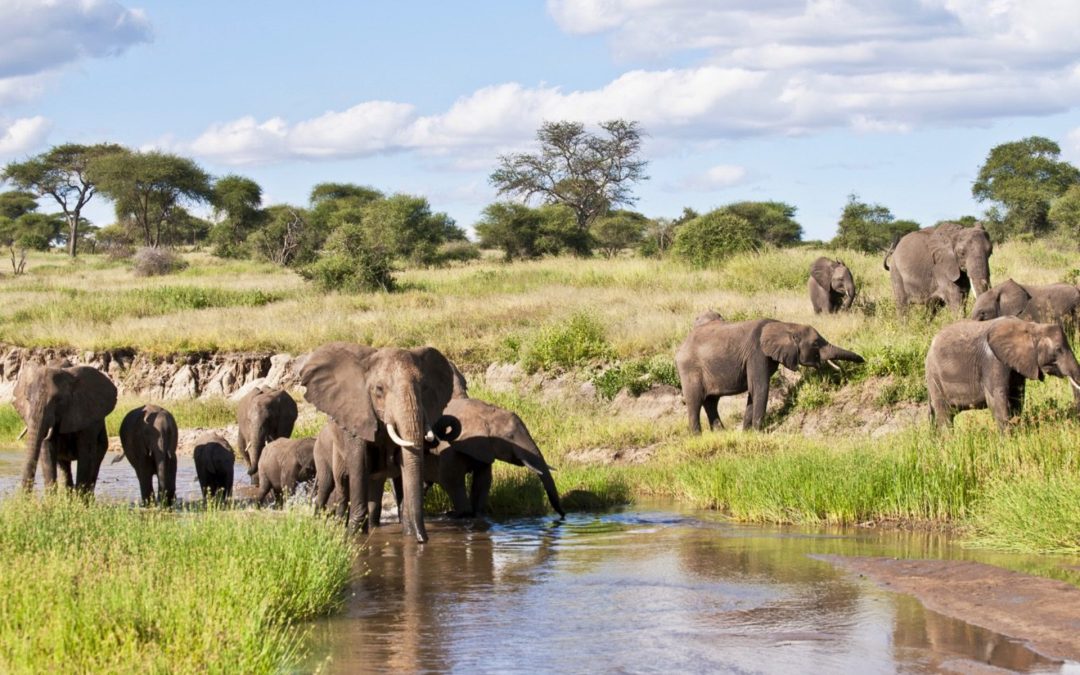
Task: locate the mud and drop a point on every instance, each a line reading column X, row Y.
column 1041, row 612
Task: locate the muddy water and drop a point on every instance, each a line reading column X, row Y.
column 648, row 589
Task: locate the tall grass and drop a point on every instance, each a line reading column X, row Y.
column 95, row 588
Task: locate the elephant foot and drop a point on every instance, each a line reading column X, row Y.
column 460, row 515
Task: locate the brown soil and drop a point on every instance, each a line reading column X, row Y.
column 1043, row 612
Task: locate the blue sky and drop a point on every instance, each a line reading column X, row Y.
column 798, row 101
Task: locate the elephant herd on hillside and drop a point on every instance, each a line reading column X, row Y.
column 405, row 414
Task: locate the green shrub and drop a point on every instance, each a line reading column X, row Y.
column 636, row 376
column 576, row 342
column 352, row 263
column 709, row 239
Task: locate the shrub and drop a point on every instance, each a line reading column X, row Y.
column 709, row 239
column 578, row 341
column 636, row 376
column 352, row 263
column 152, row 262
column 456, row 251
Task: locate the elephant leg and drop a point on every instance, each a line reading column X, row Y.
column 48, row 463
column 998, row 402
column 399, row 493
column 376, row 489
column 693, row 396
column 359, row 520
column 748, row 413
column 279, row 497
column 145, row 475
column 264, row 490
column 481, row 487
column 452, row 470
column 324, row 485
column 65, row 474
column 166, row 480
column 711, row 413
column 757, row 399
column 899, row 292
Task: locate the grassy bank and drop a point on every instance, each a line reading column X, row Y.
column 100, row 588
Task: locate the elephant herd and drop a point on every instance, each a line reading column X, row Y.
column 398, row 414
column 1016, row 333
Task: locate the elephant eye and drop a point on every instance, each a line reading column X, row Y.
column 379, row 391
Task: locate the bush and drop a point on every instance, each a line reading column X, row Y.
column 577, row 342
column 351, row 263
column 456, row 251
column 152, row 262
column 709, row 239
column 637, row 376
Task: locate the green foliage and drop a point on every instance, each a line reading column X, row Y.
column 579, row 341
column 91, row 587
column 455, row 251
column 352, row 263
column 870, row 228
column 773, row 222
column 711, row 238
column 1023, row 178
column 637, row 376
column 511, row 227
column 617, row 230
column 236, row 202
column 15, row 203
column 1036, row 512
column 34, row 231
column 1064, row 213
column 285, row 237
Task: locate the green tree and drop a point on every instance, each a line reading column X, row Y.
column 869, row 227
column 774, row 222
column 1023, row 178
column 510, row 227
column 588, row 173
column 405, row 225
column 148, row 187
column 15, row 203
column 284, row 237
column 618, row 230
column 34, row 231
column 1064, row 212
column 237, row 201
column 709, row 239
column 62, row 173
column 352, row 262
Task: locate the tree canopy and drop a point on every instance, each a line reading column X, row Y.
column 237, row 201
column 774, row 222
column 712, row 237
column 870, row 228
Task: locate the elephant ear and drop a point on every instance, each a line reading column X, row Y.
column 92, row 396
column 1012, row 298
column 821, row 271
column 461, row 385
column 335, row 382
column 945, row 262
column 438, row 385
column 1012, row 343
column 778, row 343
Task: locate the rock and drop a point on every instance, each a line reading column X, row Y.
column 503, row 377
column 660, row 401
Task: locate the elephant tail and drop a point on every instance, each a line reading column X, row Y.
column 888, row 253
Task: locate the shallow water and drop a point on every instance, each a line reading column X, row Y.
column 648, row 589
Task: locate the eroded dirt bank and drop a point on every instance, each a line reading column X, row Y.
column 1042, row 612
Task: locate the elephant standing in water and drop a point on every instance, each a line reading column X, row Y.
column 1056, row 303
column 382, row 404
column 64, row 409
column 985, row 364
column 148, row 435
column 264, row 414
column 939, row 265
column 285, row 463
column 831, row 286
column 214, row 464
column 721, row 358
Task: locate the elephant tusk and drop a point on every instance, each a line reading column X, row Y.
column 830, row 362
column 49, row 434
column 429, row 436
column 1074, row 384
column 398, row 439
column 22, row 433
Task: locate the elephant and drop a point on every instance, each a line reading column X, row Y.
column 985, row 364
column 723, row 358
column 264, row 414
column 707, row 316
column 1056, row 303
column 214, row 465
column 939, row 265
column 149, row 435
column 383, row 403
column 285, row 463
column 64, row 409
column 831, row 286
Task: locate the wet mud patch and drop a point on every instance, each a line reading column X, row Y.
column 1041, row 612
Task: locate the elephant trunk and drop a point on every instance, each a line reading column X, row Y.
column 254, row 450
column 412, row 430
column 834, row 353
column 35, row 437
column 978, row 271
column 849, row 297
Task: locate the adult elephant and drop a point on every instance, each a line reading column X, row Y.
column 383, row 403
column 724, row 358
column 149, row 435
column 264, row 414
column 285, row 463
column 1055, row 303
column 831, row 286
column 939, row 265
column 986, row 364
column 214, row 464
column 64, row 409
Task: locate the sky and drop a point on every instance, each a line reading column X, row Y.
column 805, row 102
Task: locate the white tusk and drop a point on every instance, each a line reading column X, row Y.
column 398, row 439
column 830, row 362
column 49, row 435
column 429, row 436
column 1074, row 384
column 22, row 433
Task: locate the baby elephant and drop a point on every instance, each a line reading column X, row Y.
column 1056, row 303
column 831, row 286
column 284, row 464
column 214, row 462
column 148, row 435
column 985, row 364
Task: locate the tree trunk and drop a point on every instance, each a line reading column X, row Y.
column 73, row 234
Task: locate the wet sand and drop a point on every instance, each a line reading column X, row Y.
column 1042, row 612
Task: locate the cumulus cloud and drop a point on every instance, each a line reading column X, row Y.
column 716, row 178
column 22, row 135
column 1071, row 147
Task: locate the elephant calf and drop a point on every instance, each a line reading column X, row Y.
column 831, row 286
column 148, row 435
column 1056, row 303
column 985, row 364
column 284, row 464
column 264, row 414
column 214, row 465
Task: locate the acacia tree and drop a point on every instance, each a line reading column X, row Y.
column 236, row 201
column 148, row 187
column 63, row 174
column 589, row 173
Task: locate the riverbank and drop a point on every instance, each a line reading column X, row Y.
column 94, row 587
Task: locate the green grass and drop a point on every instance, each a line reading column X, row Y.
column 96, row 588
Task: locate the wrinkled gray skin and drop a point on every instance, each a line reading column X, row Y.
column 285, row 463
column 263, row 415
column 724, row 358
column 372, row 395
column 148, row 435
column 831, row 286
column 939, row 265
column 1056, row 303
column 214, row 465
column 986, row 364
column 64, row 410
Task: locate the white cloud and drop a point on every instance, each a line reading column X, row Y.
column 716, row 178
column 22, row 135
column 1071, row 147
